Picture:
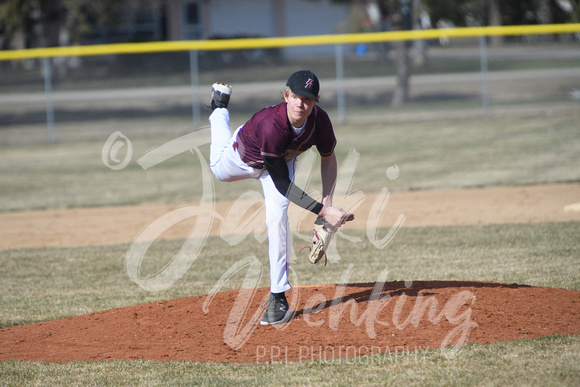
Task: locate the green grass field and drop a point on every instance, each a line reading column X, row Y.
column 45, row 284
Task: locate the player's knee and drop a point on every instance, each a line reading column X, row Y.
column 276, row 219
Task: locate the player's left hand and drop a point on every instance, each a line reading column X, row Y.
column 335, row 216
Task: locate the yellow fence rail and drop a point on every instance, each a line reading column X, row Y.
column 236, row 44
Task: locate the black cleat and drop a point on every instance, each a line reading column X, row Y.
column 220, row 95
column 278, row 311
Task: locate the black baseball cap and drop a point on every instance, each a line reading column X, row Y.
column 304, row 83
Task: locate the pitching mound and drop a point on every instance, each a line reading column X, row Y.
column 342, row 321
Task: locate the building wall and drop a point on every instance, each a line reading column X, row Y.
column 313, row 18
column 248, row 17
column 276, row 18
column 261, row 17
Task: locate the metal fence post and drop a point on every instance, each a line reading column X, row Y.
column 340, row 100
column 484, row 75
column 194, row 75
column 47, row 70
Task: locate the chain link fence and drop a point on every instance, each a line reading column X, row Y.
column 76, row 97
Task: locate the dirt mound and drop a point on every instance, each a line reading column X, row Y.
column 330, row 322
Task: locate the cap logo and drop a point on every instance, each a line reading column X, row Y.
column 304, row 83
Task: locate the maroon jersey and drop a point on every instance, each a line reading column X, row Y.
column 269, row 134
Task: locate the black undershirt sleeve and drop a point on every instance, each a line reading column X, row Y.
column 278, row 170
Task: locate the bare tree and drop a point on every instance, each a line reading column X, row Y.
column 401, row 19
column 494, row 17
column 16, row 23
column 43, row 22
column 544, row 12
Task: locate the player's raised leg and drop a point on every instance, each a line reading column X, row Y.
column 220, row 121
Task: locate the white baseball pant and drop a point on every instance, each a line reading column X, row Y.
column 227, row 165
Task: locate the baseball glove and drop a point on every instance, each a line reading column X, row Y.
column 320, row 240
